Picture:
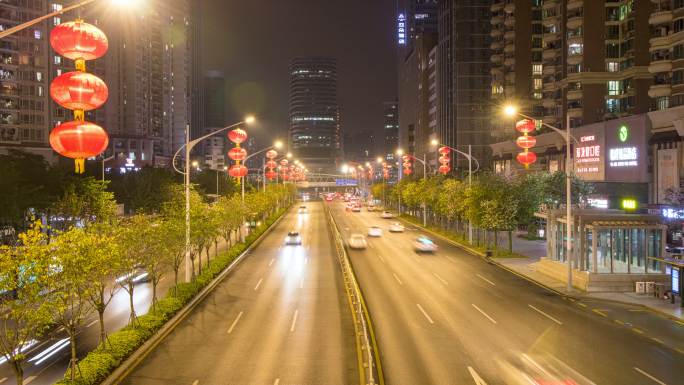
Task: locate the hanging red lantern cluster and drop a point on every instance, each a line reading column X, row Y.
column 385, row 170
column 237, row 154
column 271, row 164
column 526, row 142
column 444, row 160
column 79, row 91
column 283, row 170
column 407, row 165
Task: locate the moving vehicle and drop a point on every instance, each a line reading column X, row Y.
column 386, row 215
column 371, row 208
column 293, row 238
column 374, row 231
column 302, row 210
column 356, row 209
column 396, row 227
column 357, row 241
column 424, row 244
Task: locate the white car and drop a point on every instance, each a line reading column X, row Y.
column 356, row 209
column 302, row 210
column 396, row 227
column 386, row 215
column 357, row 241
column 425, row 244
column 293, row 238
column 374, row 231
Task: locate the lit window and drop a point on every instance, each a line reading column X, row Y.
column 536, row 69
column 58, row 60
column 612, row 66
column 614, row 87
column 39, row 76
column 537, row 84
column 37, row 34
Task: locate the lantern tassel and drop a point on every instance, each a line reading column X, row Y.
column 80, row 65
column 80, row 165
column 79, row 115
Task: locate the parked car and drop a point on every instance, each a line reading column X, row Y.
column 396, row 227
column 386, row 215
column 371, row 208
column 425, row 244
column 293, row 238
column 374, row 231
column 357, row 241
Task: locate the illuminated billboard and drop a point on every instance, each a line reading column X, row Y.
column 589, row 157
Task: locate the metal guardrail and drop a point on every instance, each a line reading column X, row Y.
column 370, row 367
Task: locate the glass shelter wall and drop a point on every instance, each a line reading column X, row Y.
column 625, row 250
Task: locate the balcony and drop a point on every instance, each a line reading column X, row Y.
column 497, row 6
column 510, row 47
column 496, row 45
column 549, row 54
column 575, row 39
column 549, row 21
column 548, row 70
column 574, row 94
column 574, row 4
column 660, row 90
column 575, row 112
column 510, row 61
column 549, row 37
column 496, row 71
column 510, row 7
column 496, row 32
column 498, row 19
column 509, row 35
column 510, row 78
column 660, row 66
column 496, row 59
column 550, row 119
column 549, row 4
column 549, row 103
column 575, row 58
column 510, row 21
column 659, row 42
column 660, row 17
column 575, row 22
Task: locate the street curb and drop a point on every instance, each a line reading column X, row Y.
column 559, row 293
column 146, row 348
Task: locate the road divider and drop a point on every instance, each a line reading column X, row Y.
column 368, row 353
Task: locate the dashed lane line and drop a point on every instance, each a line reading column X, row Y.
column 657, row 381
column 196, row 382
column 3, row 380
column 30, row 380
column 232, row 326
column 545, row 315
column 258, row 284
column 476, row 376
column 381, row 258
column 277, row 381
column 440, row 278
column 599, row 312
column 294, row 321
column 484, row 314
column 637, row 330
column 485, row 279
column 397, row 278
column 425, row 313
column 270, row 263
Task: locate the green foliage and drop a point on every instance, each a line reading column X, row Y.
column 85, row 200
column 144, row 191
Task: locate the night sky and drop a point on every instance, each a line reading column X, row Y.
column 252, row 41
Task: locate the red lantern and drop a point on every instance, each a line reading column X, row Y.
column 408, row 171
column 444, row 159
column 526, row 158
column 237, row 136
column 407, row 164
column 79, row 91
column 405, row 158
column 237, row 153
column 525, row 126
column 284, row 162
column 526, row 141
column 285, row 177
column 238, row 171
column 270, row 154
column 79, row 41
column 444, row 150
column 79, row 141
column 271, row 164
column 444, row 169
column 271, row 175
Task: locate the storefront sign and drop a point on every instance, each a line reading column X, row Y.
column 668, row 172
column 626, row 149
column 629, row 204
column 599, row 203
column 589, row 153
column 401, row 29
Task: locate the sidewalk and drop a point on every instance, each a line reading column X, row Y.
column 528, row 268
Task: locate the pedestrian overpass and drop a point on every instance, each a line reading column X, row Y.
column 327, row 182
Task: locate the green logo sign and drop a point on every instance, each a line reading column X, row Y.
column 623, row 133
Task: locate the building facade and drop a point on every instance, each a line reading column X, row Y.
column 213, row 112
column 314, row 136
column 391, row 136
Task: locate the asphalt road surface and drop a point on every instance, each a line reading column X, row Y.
column 451, row 318
column 281, row 317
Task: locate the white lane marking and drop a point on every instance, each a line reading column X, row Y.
column 476, row 377
column 277, row 381
column 258, row 284
column 301, row 283
column 484, row 314
column 486, row 280
column 272, row 260
column 649, row 376
column 232, row 326
column 398, row 280
column 440, row 278
column 29, row 380
column 425, row 313
column 294, row 320
column 546, row 315
column 92, row 323
column 196, row 382
column 3, row 380
column 381, row 258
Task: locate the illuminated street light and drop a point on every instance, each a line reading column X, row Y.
column 288, row 155
column 250, row 119
column 510, row 110
column 400, row 152
column 379, row 160
column 278, row 144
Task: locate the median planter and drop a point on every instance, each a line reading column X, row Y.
column 101, row 363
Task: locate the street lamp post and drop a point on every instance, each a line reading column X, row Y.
column 103, row 165
column 512, row 111
column 470, row 158
column 188, row 145
column 424, row 162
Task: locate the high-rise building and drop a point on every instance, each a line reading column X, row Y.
column 516, row 57
column 198, row 76
column 314, row 113
column 213, row 113
column 463, row 65
column 391, row 135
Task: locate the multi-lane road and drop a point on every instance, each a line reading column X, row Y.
column 281, row 317
column 452, row 318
